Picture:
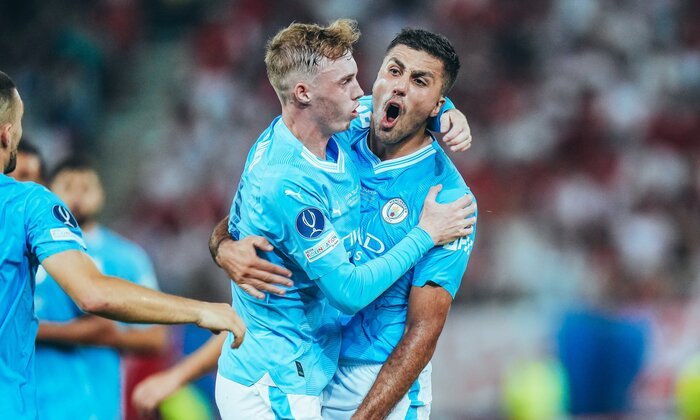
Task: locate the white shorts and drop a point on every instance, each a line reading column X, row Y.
column 262, row 402
column 348, row 388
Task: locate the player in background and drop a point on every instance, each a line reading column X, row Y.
column 300, row 190
column 37, row 228
column 257, row 275
column 30, row 164
column 76, row 181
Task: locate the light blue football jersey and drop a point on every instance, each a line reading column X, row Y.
column 392, row 198
column 34, row 225
column 62, row 372
column 309, row 211
column 85, row 382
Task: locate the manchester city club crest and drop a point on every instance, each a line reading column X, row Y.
column 395, row 211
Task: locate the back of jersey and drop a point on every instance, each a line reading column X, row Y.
column 308, row 209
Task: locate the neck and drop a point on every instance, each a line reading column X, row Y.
column 306, row 129
column 404, row 147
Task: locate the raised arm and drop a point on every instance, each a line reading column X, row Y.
column 428, row 307
column 119, row 299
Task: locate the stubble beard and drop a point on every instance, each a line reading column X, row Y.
column 11, row 163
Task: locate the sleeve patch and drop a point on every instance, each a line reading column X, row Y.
column 65, row 234
column 310, row 223
column 64, row 216
column 322, row 247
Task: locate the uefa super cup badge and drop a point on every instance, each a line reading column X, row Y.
column 395, row 211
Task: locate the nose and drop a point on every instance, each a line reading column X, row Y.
column 400, row 86
column 357, row 91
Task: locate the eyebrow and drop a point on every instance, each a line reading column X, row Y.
column 415, row 73
column 347, row 76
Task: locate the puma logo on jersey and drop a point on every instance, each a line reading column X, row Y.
column 291, row 193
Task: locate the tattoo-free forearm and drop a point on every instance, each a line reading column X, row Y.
column 428, row 307
column 88, row 330
column 201, row 362
column 149, row 341
column 115, row 298
column 400, row 371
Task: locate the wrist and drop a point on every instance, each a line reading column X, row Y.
column 424, row 238
column 214, row 250
column 199, row 314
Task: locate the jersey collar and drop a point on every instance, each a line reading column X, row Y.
column 327, row 166
column 380, row 166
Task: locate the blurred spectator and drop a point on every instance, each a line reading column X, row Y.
column 585, row 115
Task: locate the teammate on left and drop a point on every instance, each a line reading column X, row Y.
column 70, row 342
column 37, row 228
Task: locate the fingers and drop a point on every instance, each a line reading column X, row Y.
column 469, row 227
column 260, row 243
column 278, row 274
column 461, row 143
column 238, row 335
column 461, row 203
column 252, row 291
column 265, row 282
column 444, row 122
column 433, row 192
column 455, row 130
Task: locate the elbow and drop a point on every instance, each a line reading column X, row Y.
column 93, row 302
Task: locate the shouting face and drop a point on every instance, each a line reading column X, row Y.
column 406, row 93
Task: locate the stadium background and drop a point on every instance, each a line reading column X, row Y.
column 586, row 163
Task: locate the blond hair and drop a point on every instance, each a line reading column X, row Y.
column 300, row 48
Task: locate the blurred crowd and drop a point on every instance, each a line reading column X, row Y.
column 584, row 113
column 585, row 116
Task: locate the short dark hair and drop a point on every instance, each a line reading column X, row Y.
column 78, row 163
column 434, row 44
column 7, row 94
column 27, row 147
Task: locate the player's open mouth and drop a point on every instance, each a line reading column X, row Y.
column 392, row 112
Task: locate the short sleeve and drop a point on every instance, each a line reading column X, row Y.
column 51, row 228
column 445, row 265
column 297, row 222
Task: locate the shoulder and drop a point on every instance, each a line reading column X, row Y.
column 35, row 192
column 294, row 183
column 447, row 174
column 38, row 198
